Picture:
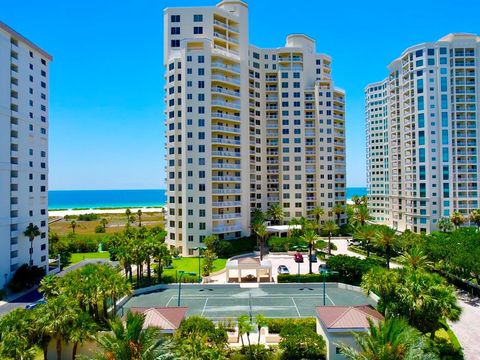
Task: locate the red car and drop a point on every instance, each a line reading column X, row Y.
column 298, row 258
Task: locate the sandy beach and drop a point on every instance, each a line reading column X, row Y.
column 62, row 213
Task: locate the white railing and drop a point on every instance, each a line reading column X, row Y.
column 226, row 203
column 226, row 178
column 225, row 91
column 226, row 78
column 226, row 191
column 226, row 166
column 226, row 103
column 226, row 129
column 226, row 141
column 226, row 153
column 226, row 216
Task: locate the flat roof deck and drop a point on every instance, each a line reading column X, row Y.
column 218, row 302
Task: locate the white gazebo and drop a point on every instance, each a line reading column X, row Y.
column 262, row 269
column 282, row 230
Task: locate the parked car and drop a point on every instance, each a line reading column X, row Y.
column 283, row 270
column 313, row 258
column 35, row 304
column 298, row 258
column 322, row 268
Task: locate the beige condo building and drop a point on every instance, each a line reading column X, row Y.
column 423, row 119
column 246, row 127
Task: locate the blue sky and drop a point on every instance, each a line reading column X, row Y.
column 106, row 104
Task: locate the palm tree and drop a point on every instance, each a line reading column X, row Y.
column 17, row 335
column 367, row 234
column 386, row 238
column 73, row 225
column 293, row 227
column 445, row 225
column 81, row 329
column 139, row 214
column 475, row 217
column 261, row 321
column 164, row 258
column 415, row 259
column 32, row 231
column 338, row 210
column 260, row 229
column 257, row 216
column 361, row 215
column 129, row 340
column 457, row 219
column 245, row 327
column 57, row 316
column 128, row 213
column 318, row 212
column 393, row 339
column 310, row 237
column 50, row 286
column 275, row 213
column 330, row 227
column 104, row 223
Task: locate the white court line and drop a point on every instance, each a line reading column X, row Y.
column 329, row 299
column 169, row 301
column 254, row 297
column 296, row 307
column 204, row 305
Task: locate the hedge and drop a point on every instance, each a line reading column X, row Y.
column 351, row 269
column 306, row 278
column 275, row 325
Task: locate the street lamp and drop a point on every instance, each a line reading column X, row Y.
column 324, row 272
column 199, row 248
column 182, row 272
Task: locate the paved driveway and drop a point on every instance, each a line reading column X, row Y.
column 467, row 328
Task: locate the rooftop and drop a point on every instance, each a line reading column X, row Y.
column 165, row 318
column 24, row 40
column 348, row 317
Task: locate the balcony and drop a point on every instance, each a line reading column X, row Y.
column 225, row 154
column 226, row 178
column 223, row 37
column 225, row 141
column 230, row 129
column 226, row 216
column 226, row 229
column 222, row 24
column 226, row 79
column 226, row 191
column 217, row 89
column 218, row 165
column 225, row 116
column 231, row 68
column 233, row 105
column 226, row 203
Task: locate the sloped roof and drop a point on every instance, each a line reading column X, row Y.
column 165, row 318
column 348, row 317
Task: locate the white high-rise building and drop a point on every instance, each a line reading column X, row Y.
column 245, row 127
column 430, row 134
column 23, row 151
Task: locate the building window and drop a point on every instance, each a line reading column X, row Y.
column 175, row 43
column 198, row 30
column 175, row 18
column 197, row 18
column 175, row 31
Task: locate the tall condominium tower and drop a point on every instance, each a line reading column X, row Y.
column 246, row 127
column 430, row 134
column 23, row 152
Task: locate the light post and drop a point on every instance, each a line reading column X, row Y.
column 324, row 273
column 182, row 272
column 199, row 248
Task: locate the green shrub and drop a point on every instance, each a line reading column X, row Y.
column 70, row 217
column 229, row 248
column 282, row 244
column 99, row 229
column 351, row 269
column 300, row 342
column 306, row 278
column 275, row 325
column 25, row 277
column 88, row 217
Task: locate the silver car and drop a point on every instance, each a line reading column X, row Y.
column 283, row 270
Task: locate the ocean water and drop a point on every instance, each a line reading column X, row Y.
column 95, row 199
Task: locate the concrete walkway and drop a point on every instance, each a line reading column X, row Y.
column 467, row 328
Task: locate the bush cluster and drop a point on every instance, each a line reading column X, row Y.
column 88, row 217
column 275, row 325
column 351, row 269
column 306, row 278
column 281, row 244
column 25, row 277
column 229, row 248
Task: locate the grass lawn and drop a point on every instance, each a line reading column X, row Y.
column 77, row 257
column 190, row 264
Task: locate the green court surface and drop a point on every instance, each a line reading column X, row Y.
column 218, row 302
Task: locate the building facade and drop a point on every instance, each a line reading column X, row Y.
column 23, row 152
column 431, row 137
column 245, row 127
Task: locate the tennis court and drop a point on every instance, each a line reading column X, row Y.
column 218, row 302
